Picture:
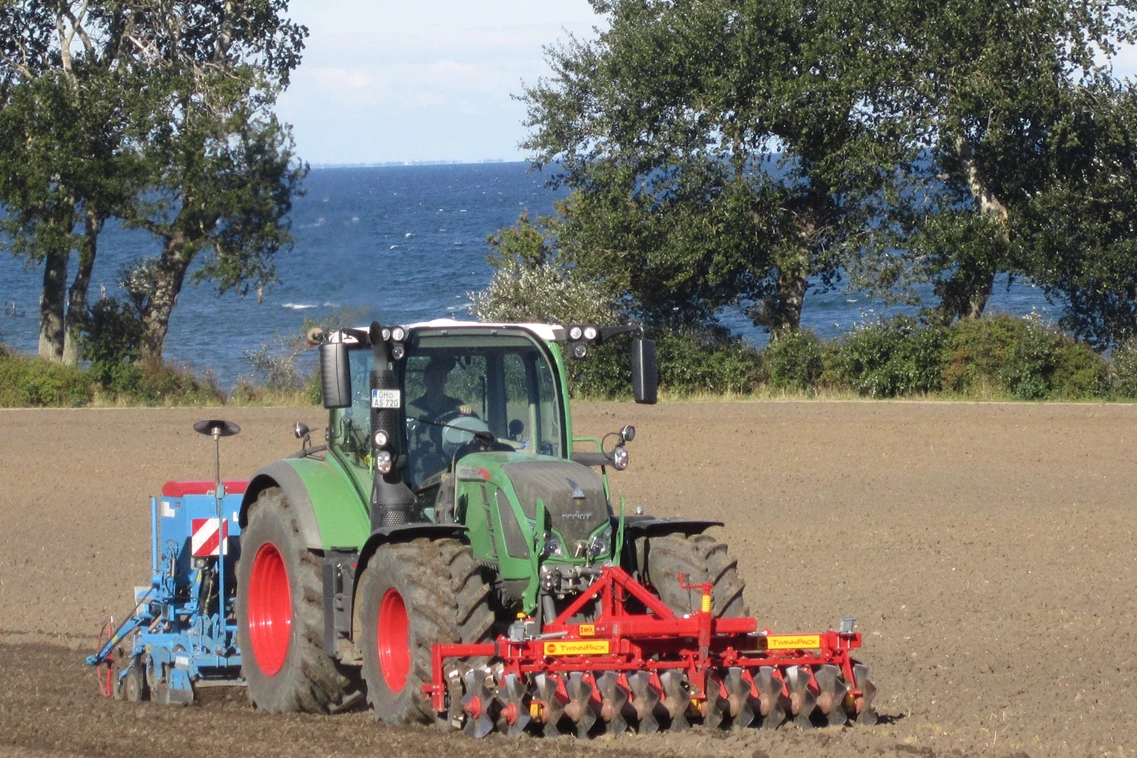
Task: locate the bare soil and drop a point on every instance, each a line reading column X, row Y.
column 986, row 550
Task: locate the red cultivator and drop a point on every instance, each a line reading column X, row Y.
column 635, row 664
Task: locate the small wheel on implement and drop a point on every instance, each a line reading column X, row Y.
column 133, row 688
column 412, row 596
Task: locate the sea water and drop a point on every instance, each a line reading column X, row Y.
column 394, row 243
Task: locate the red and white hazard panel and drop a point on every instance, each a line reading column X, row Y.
column 208, row 534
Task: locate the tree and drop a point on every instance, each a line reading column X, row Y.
column 221, row 168
column 64, row 96
column 980, row 92
column 720, row 152
column 1078, row 237
column 156, row 112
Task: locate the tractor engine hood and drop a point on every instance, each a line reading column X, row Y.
column 573, row 496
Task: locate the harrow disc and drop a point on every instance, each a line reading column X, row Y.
column 739, row 695
column 771, row 704
column 802, row 696
column 613, row 699
column 866, row 714
column 716, row 708
column 514, row 714
column 645, row 702
column 581, row 708
column 477, row 703
column 552, row 705
column 676, row 699
column 831, row 691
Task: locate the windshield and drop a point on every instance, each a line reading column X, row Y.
column 458, row 384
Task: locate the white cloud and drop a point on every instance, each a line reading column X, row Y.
column 433, row 79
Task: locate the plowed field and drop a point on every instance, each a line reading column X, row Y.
column 987, row 551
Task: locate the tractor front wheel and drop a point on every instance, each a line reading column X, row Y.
column 412, row 596
column 700, row 558
column 280, row 617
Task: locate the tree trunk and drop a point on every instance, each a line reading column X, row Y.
column 169, row 275
column 780, row 313
column 77, row 296
column 51, row 304
column 973, row 284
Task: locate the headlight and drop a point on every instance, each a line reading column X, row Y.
column 575, row 333
column 398, row 334
column 381, row 438
column 553, row 547
column 601, row 543
column 383, row 461
column 590, row 332
column 620, row 458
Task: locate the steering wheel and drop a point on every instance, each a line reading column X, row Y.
column 459, row 430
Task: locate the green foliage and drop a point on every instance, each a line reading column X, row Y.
column 524, row 244
column 159, row 116
column 720, row 153
column 1020, row 358
column 148, row 382
column 794, row 361
column 35, row 382
column 1123, row 370
column 889, row 358
column 110, row 336
column 695, row 362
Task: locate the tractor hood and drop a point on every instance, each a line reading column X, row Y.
column 573, row 496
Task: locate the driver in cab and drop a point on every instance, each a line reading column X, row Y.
column 435, row 403
column 426, row 418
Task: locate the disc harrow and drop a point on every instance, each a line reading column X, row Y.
column 636, row 665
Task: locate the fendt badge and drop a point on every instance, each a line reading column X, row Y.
column 577, row 492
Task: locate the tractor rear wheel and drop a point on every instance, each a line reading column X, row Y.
column 700, row 558
column 280, row 615
column 412, row 596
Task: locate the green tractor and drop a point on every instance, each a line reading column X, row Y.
column 450, row 519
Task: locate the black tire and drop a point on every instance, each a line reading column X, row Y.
column 434, row 592
column 700, row 558
column 134, row 688
column 280, row 615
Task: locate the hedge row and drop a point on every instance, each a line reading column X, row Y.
column 998, row 357
column 992, row 358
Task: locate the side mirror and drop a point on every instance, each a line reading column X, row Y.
column 645, row 375
column 335, row 375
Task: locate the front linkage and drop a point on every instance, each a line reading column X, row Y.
column 649, row 668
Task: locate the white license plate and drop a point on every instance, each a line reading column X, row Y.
column 385, row 398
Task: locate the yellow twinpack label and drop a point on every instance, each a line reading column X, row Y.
column 588, row 630
column 573, row 647
column 793, row 642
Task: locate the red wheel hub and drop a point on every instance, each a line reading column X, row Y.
column 270, row 609
column 393, row 639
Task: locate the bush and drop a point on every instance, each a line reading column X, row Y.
column 1123, row 369
column 163, row 384
column 888, row 359
column 793, row 361
column 110, row 336
column 1021, row 358
column 701, row 361
column 33, row 382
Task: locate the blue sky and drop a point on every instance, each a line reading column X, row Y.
column 428, row 80
column 425, row 80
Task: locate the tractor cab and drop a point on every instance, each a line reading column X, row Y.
column 458, row 390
